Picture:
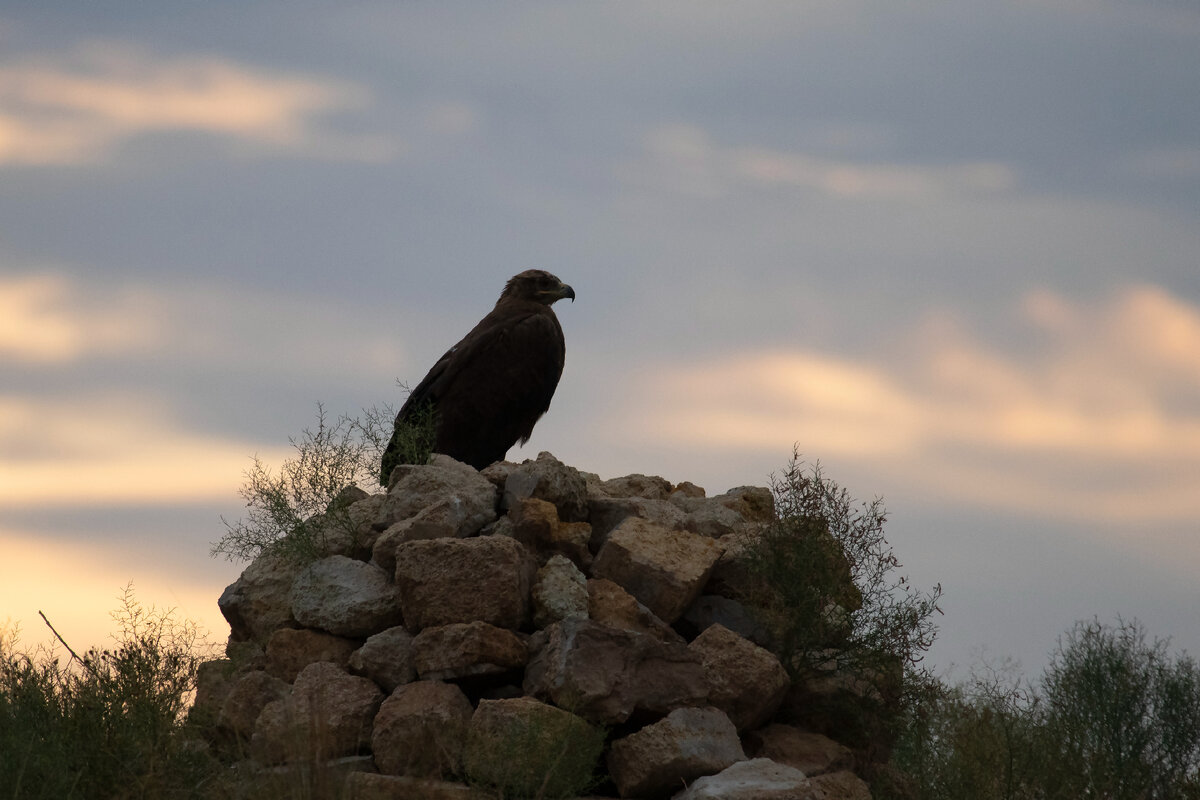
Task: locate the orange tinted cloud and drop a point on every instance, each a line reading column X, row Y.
column 78, row 585
column 42, row 320
column 76, row 108
column 98, row 451
column 1099, row 421
column 51, row 320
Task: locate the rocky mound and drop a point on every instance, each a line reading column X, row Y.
column 528, row 630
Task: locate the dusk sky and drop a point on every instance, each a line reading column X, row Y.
column 949, row 250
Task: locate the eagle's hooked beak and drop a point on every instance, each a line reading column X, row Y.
column 561, row 292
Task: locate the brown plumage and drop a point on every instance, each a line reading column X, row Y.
column 487, row 392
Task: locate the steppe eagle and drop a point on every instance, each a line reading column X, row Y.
column 487, row 392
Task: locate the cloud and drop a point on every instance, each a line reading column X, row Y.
column 1097, row 421
column 43, row 320
column 50, row 320
column 1173, row 164
column 100, row 439
column 77, row 585
column 79, row 107
column 685, row 159
column 113, row 449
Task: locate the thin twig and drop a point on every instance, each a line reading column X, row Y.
column 58, row 636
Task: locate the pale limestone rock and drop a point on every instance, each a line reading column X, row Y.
column 660, row 758
column 664, row 569
column 686, row 489
column 535, row 524
column 757, row 779
column 549, row 479
column 648, row 487
column 605, row 513
column 486, row 578
column 811, row 753
column 247, row 697
column 258, row 602
column 611, row 605
column 386, row 658
column 606, row 674
column 559, row 591
column 745, row 681
column 464, row 649
column 345, row 597
column 327, row 715
column 420, row 730
column 713, row 608
column 754, row 503
column 523, row 744
column 214, row 681
column 841, row 786
column 290, row 650
column 444, row 498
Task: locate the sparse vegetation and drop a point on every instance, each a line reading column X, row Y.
column 823, row 580
column 1114, row 717
column 109, row 723
column 293, row 511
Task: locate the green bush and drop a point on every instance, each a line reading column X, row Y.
column 822, row 578
column 979, row 740
column 1114, row 717
column 293, row 511
column 109, row 723
column 1124, row 716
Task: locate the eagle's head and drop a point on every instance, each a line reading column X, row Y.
column 536, row 285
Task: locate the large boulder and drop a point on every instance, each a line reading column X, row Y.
column 386, row 658
column 611, row 605
column 345, row 597
column 648, row 487
column 752, row 503
column 259, row 602
column 464, row 649
column 535, row 523
column 245, row 700
column 420, row 730
column 444, row 498
column 606, row 674
column 327, row 715
column 559, row 591
column 661, row 567
column 743, row 510
column 548, row 479
column 687, row 744
column 443, row 581
column 745, row 681
column 606, row 513
column 842, row 785
column 290, row 650
column 713, row 608
column 214, row 681
column 811, row 753
column 757, row 779
column 521, row 747
column 362, row 515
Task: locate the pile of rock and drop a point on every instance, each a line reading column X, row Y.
column 529, row 628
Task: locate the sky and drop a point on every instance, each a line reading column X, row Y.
column 950, row 251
